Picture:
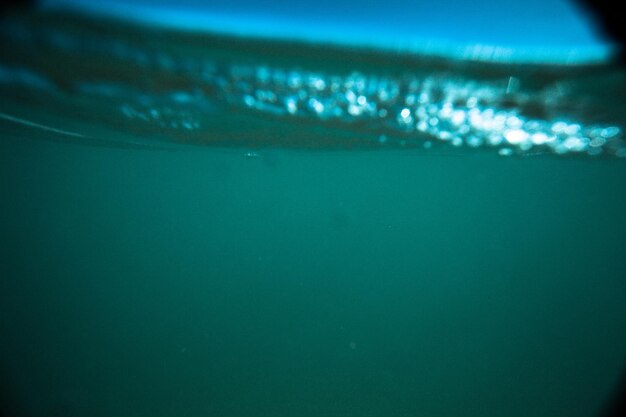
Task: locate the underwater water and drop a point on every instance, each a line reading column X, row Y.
column 198, row 224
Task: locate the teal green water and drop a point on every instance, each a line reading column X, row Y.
column 144, row 278
column 205, row 282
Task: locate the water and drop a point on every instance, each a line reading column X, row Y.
column 263, row 262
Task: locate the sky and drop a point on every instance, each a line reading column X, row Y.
column 540, row 26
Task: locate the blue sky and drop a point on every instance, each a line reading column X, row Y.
column 536, row 25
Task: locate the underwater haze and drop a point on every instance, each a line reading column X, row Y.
column 221, row 221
